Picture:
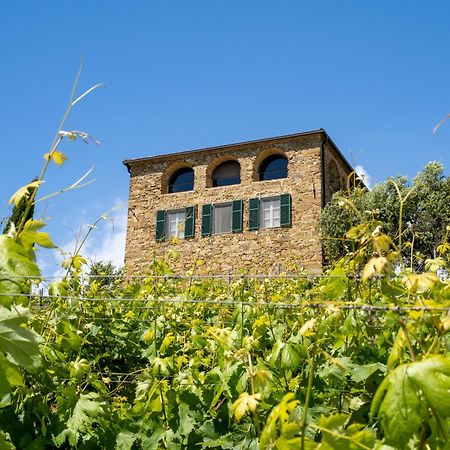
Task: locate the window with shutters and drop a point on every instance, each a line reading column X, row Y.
column 175, row 223
column 270, row 212
column 178, row 223
column 222, row 218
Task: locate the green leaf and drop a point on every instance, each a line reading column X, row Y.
column 278, row 422
column 397, row 350
column 16, row 340
column 288, row 355
column 125, row 440
column 338, row 435
column 85, row 413
column 361, row 373
column 222, row 442
column 15, row 262
column 187, row 422
column 151, row 442
column 5, row 443
column 336, row 285
column 411, row 396
column 9, row 375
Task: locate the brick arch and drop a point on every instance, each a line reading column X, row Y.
column 216, row 163
column 167, row 174
column 261, row 156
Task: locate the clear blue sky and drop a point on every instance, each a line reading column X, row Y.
column 188, row 74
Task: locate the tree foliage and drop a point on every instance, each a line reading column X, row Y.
column 425, row 217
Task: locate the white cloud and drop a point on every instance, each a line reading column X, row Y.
column 106, row 242
column 365, row 177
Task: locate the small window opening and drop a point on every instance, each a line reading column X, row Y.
column 273, row 167
column 182, row 180
column 226, row 174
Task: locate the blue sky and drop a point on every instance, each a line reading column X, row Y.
column 182, row 75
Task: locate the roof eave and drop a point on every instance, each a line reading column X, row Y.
column 127, row 162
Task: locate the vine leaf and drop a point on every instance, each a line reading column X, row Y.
column 289, row 355
column 125, row 440
column 338, row 435
column 57, row 157
column 23, row 191
column 14, row 262
column 85, row 413
column 21, row 344
column 187, row 422
column 278, row 425
column 361, row 373
column 31, row 235
column 9, row 376
column 412, row 396
column 5, row 443
column 244, row 404
column 375, row 266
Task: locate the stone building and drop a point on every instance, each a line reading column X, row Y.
column 249, row 207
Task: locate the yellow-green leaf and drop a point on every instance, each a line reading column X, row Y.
column 374, row 266
column 30, row 235
column 23, row 191
column 57, row 157
column 76, row 262
column 244, row 404
column 420, row 282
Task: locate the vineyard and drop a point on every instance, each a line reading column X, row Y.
column 356, row 358
column 285, row 362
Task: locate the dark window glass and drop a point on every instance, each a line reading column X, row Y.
column 273, row 167
column 227, row 173
column 182, row 180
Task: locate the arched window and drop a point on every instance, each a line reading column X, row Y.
column 227, row 173
column 273, row 167
column 182, row 180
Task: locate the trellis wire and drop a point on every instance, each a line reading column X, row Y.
column 306, row 304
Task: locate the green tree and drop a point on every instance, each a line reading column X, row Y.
column 106, row 274
column 425, row 215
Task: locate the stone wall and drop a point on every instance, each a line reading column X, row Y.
column 263, row 251
column 336, row 172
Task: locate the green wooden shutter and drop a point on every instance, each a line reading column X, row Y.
column 189, row 222
column 160, row 225
column 236, row 218
column 285, row 210
column 206, row 220
column 253, row 214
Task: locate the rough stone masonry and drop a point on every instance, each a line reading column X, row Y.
column 315, row 170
